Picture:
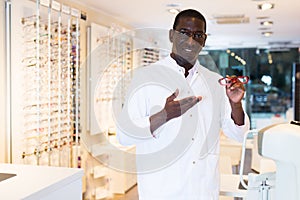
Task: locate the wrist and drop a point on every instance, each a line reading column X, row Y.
column 158, row 119
column 236, row 104
column 237, row 113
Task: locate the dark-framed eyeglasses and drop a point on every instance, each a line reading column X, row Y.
column 233, row 79
column 197, row 35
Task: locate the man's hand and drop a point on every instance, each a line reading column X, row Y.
column 235, row 92
column 173, row 108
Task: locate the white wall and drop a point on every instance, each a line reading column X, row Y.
column 2, row 83
column 93, row 15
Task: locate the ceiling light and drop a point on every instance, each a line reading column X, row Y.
column 203, row 53
column 231, row 19
column 267, row 34
column 173, row 10
column 266, row 6
column 266, row 23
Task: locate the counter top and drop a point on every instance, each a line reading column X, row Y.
column 35, row 182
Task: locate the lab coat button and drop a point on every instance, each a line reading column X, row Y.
column 191, row 115
column 194, row 162
column 193, row 139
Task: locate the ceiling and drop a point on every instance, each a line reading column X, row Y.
column 153, row 14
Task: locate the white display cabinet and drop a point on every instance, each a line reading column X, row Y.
column 109, row 73
column 122, row 181
column 113, row 55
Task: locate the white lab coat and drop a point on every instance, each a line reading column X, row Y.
column 181, row 161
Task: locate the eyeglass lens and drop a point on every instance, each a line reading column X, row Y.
column 230, row 80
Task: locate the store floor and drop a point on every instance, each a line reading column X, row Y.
column 133, row 195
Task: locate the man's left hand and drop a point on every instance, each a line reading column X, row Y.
column 235, row 91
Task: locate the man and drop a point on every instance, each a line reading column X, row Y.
column 177, row 133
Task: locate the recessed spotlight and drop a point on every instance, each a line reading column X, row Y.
column 267, row 33
column 173, row 10
column 266, row 23
column 266, row 6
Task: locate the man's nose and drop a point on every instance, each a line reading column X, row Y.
column 190, row 39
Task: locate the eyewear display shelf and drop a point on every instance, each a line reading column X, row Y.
column 112, row 61
column 45, row 84
column 109, row 74
column 146, row 56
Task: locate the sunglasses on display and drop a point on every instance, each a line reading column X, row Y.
column 226, row 81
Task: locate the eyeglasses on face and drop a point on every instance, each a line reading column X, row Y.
column 233, row 79
column 197, row 35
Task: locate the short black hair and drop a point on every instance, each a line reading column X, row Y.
column 189, row 13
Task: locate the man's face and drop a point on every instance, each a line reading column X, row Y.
column 188, row 38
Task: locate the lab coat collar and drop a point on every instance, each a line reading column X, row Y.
column 170, row 62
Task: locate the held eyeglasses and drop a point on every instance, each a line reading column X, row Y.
column 233, row 79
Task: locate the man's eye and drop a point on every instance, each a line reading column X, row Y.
column 198, row 35
column 185, row 33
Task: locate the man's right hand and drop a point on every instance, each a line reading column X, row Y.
column 173, row 108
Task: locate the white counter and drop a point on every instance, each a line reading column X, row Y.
column 41, row 182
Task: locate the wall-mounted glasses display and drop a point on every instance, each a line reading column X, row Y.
column 46, row 92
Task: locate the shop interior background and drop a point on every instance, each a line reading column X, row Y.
column 269, row 65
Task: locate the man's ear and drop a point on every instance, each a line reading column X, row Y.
column 171, row 35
